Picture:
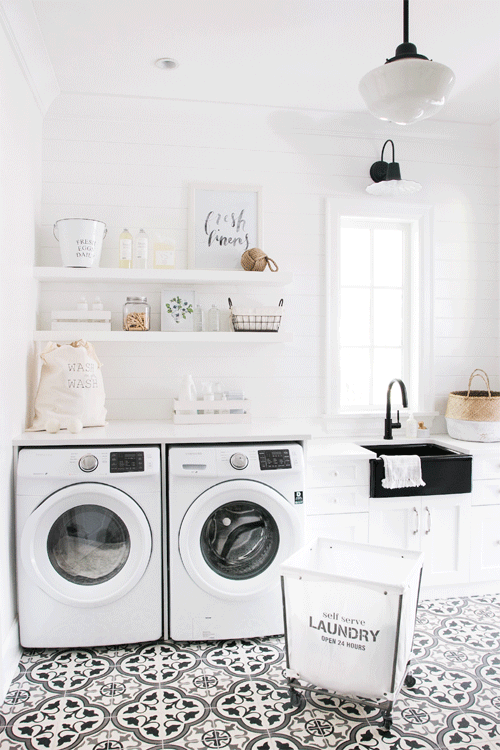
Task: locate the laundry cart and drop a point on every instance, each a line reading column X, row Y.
column 349, row 613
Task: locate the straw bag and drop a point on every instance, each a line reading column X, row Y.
column 474, row 415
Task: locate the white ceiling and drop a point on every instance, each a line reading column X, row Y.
column 286, row 53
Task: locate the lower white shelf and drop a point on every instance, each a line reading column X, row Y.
column 254, row 337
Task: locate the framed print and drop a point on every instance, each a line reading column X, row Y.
column 224, row 221
column 177, row 309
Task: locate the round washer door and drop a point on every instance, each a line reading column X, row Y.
column 234, row 537
column 87, row 544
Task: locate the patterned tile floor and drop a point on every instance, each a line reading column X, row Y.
column 233, row 694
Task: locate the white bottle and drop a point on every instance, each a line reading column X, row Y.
column 141, row 250
column 213, row 318
column 207, row 395
column 97, row 304
column 198, row 319
column 82, row 304
column 188, row 389
column 125, row 250
column 219, row 395
column 411, row 426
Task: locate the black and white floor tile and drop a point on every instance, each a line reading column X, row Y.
column 232, row 694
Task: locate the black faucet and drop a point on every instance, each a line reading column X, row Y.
column 389, row 424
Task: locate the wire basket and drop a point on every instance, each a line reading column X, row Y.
column 256, row 319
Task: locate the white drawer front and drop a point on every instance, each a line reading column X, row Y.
column 327, row 500
column 486, row 492
column 335, row 473
column 486, row 467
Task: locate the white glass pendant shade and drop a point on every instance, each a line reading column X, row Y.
column 406, row 90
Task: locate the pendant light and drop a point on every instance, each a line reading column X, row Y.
column 387, row 177
column 409, row 86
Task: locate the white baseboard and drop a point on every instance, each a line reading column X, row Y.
column 459, row 590
column 11, row 655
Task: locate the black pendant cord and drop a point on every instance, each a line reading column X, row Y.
column 406, row 21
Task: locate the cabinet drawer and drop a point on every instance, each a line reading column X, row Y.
column 334, row 473
column 327, row 500
column 486, row 492
column 486, row 467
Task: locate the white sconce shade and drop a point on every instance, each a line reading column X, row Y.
column 386, row 177
column 406, row 90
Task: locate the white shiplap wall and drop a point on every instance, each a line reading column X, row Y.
column 130, row 162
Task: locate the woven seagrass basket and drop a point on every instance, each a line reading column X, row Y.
column 474, row 415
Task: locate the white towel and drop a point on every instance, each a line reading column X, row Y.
column 402, row 471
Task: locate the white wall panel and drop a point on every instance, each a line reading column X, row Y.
column 130, row 163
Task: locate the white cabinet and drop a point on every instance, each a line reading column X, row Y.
column 337, row 498
column 485, row 543
column 437, row 525
column 485, row 524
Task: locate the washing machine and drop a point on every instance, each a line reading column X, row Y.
column 89, row 546
column 235, row 513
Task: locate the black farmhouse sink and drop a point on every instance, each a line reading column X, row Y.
column 444, row 471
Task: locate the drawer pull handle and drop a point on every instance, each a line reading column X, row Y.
column 428, row 529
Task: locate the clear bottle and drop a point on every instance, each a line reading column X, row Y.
column 141, row 250
column 136, row 314
column 213, row 318
column 125, row 250
column 198, row 318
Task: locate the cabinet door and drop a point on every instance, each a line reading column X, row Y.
column 445, row 539
column 396, row 523
column 485, row 543
column 346, row 527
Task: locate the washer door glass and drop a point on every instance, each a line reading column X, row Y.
column 239, row 540
column 88, row 545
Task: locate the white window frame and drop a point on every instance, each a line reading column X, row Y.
column 419, row 218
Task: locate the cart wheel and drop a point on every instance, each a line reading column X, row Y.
column 387, row 723
column 410, row 681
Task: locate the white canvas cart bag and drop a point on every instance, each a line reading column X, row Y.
column 349, row 618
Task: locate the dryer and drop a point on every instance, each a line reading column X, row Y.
column 235, row 513
column 89, row 548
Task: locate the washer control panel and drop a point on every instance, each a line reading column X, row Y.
column 89, row 463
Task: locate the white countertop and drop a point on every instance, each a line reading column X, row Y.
column 156, row 431
column 319, row 443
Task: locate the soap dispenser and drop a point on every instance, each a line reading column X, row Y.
column 411, row 426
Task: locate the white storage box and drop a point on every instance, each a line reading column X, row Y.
column 88, row 320
column 236, row 411
column 350, row 616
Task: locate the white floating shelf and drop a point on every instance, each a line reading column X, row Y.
column 161, row 336
column 153, row 276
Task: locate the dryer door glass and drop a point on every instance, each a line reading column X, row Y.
column 88, row 545
column 239, row 540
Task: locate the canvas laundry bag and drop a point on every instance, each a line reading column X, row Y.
column 71, row 386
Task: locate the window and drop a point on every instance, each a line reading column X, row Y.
column 374, row 310
column 378, row 301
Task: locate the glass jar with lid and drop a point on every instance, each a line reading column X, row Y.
column 136, row 314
